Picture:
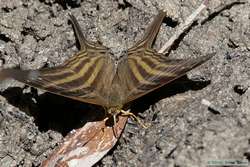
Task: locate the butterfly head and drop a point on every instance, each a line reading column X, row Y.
column 114, row 110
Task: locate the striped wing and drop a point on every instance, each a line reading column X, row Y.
column 148, row 70
column 77, row 78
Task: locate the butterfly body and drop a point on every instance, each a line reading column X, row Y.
column 92, row 75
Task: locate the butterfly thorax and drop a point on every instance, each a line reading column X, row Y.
column 116, row 96
column 109, row 87
column 114, row 111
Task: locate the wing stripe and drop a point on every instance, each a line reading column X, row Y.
column 73, row 63
column 158, row 62
column 65, row 72
column 75, row 76
column 81, row 55
column 183, row 67
column 92, row 77
column 75, row 59
column 57, row 72
column 151, row 70
column 65, row 87
column 136, row 73
column 150, row 55
column 155, row 62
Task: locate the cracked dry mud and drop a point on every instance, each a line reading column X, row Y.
column 183, row 131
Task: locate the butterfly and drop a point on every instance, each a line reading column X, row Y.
column 92, row 76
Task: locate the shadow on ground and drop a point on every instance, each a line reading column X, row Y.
column 63, row 114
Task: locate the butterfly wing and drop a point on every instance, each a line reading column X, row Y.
column 78, row 78
column 148, row 70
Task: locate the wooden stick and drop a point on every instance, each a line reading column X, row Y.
column 183, row 27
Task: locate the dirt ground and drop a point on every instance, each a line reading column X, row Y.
column 183, row 131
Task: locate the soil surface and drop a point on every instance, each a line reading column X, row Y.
column 183, row 130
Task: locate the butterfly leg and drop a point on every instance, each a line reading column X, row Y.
column 134, row 117
column 114, row 119
column 111, row 112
